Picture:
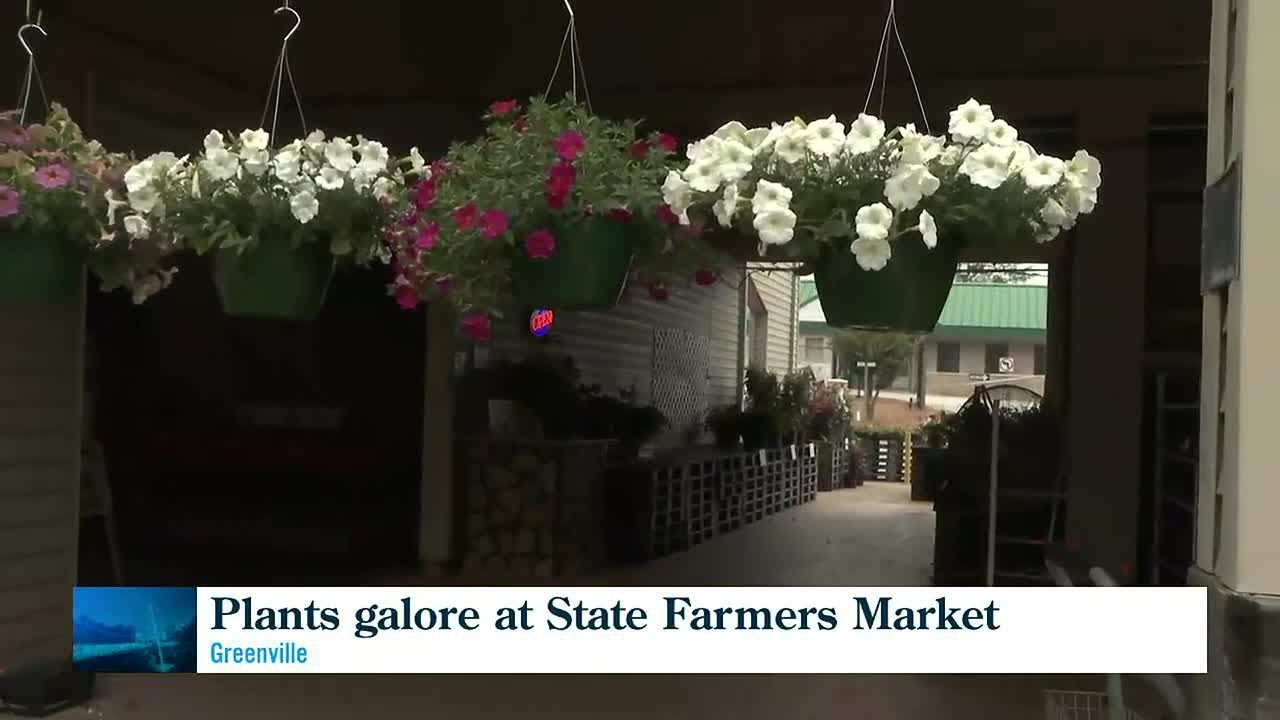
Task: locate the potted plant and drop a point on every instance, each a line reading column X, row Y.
column 58, row 211
column 725, row 425
column 277, row 220
column 793, row 404
column 553, row 208
column 619, row 418
column 881, row 218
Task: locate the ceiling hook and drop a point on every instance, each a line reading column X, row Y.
column 297, row 20
column 22, row 40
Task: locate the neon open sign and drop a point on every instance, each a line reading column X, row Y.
column 540, row 322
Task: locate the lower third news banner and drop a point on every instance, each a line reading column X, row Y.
column 698, row 630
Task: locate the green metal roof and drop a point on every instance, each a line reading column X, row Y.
column 977, row 310
column 996, row 306
column 808, row 291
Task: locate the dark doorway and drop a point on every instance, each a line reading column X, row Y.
column 258, row 452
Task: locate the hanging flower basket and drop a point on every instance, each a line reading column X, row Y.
column 57, row 208
column 277, row 221
column 273, row 281
column 553, row 207
column 587, row 271
column 864, row 208
column 908, row 295
column 38, row 269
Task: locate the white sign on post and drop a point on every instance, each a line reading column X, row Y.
column 1006, row 365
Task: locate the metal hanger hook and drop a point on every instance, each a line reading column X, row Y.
column 297, row 20
column 23, row 40
column 568, row 7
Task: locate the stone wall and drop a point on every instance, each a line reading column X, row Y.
column 533, row 511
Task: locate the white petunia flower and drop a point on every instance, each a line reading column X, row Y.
column 139, row 176
column 734, row 161
column 374, row 156
column 909, row 185
column 331, row 179
column 928, row 229
column 873, row 221
column 137, row 227
column 732, row 130
column 362, row 178
column 872, row 253
column 179, row 169
column 917, row 148
column 1023, row 154
column 144, row 199
column 707, row 148
column 970, row 121
column 770, row 196
column 1081, row 200
column 256, row 162
column 792, row 142
column 289, row 171
column 220, row 164
column 195, row 185
column 988, row 166
column 339, row 153
column 383, row 188
column 776, row 226
column 214, row 141
column 824, row 137
column 755, row 138
column 865, row 134
column 950, row 155
column 1042, row 172
column 113, row 204
column 1084, row 170
column 255, row 139
column 727, row 206
column 1054, row 214
column 1002, row 134
column 704, row 175
column 416, row 161
column 677, row 193
column 304, row 206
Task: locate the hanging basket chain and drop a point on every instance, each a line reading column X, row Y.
column 32, row 76
column 882, row 54
column 280, row 73
column 576, row 67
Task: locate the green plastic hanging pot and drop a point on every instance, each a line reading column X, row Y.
column 273, row 280
column 38, row 268
column 587, row 271
column 907, row 295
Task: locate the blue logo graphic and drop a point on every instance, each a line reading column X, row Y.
column 540, row 322
column 134, row 629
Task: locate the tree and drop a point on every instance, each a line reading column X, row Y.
column 891, row 353
column 985, row 272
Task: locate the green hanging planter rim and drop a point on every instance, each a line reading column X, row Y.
column 907, row 295
column 587, row 271
column 38, row 268
column 274, row 279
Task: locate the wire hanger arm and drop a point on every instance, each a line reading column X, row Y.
column 32, row 75
column 891, row 24
column 282, row 72
column 570, row 41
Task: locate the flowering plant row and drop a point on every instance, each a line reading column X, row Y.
column 802, row 185
column 512, row 198
column 56, row 187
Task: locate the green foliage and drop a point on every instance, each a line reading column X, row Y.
column 540, row 168
column 891, row 352
column 828, row 414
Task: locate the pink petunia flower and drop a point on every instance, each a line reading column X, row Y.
column 10, row 201
column 639, row 149
column 667, row 215
column 465, row 217
column 52, row 177
column 659, row 292
column 503, row 107
column 570, row 145
column 15, row 137
column 621, row 215
column 476, row 327
column 424, row 195
column 540, row 244
column 561, row 178
column 667, row 142
column 428, row 237
column 557, row 201
column 493, row 223
column 406, row 297
column 444, row 284
column 519, row 125
column 705, row 278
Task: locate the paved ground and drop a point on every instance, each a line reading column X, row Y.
column 870, row 536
